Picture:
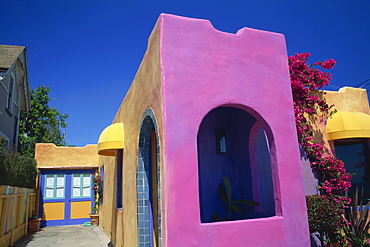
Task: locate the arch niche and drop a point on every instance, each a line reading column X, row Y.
column 232, row 143
column 148, row 183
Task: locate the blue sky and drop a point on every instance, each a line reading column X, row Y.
column 89, row 51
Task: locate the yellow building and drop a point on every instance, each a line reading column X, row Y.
column 65, row 191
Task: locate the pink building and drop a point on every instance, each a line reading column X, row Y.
column 204, row 105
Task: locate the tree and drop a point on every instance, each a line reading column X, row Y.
column 41, row 124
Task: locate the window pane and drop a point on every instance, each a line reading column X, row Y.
column 49, row 181
column 353, row 156
column 86, row 191
column 60, row 180
column 76, row 180
column 76, row 192
column 49, row 193
column 86, row 180
column 60, row 192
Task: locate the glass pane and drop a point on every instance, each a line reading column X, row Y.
column 60, row 192
column 60, row 180
column 86, row 191
column 354, row 159
column 49, row 181
column 76, row 180
column 49, row 193
column 76, row 192
column 86, row 180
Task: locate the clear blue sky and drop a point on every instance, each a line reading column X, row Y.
column 88, row 51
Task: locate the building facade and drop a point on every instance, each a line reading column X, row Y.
column 14, row 90
column 205, row 105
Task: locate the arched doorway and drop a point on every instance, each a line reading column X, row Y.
column 148, row 183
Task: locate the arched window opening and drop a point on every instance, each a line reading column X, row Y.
column 231, row 146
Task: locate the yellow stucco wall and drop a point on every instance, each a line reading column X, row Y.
column 48, row 155
column 107, row 207
column 145, row 92
column 349, row 99
column 345, row 99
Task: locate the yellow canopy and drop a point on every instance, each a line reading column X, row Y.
column 344, row 125
column 111, row 139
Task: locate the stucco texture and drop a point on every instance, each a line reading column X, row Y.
column 346, row 99
column 202, row 69
column 188, row 70
column 145, row 92
column 50, row 156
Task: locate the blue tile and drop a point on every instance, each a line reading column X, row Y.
column 141, row 218
column 141, row 202
column 141, row 231
column 141, row 239
column 140, row 188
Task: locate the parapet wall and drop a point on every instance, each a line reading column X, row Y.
column 50, row 156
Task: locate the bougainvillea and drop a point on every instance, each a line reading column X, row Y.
column 305, row 79
column 333, row 178
column 96, row 180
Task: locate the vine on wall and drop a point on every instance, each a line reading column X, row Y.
column 305, row 79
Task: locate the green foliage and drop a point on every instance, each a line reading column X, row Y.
column 41, row 124
column 226, row 196
column 358, row 230
column 324, row 216
column 16, row 170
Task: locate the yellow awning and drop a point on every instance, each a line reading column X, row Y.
column 111, row 139
column 344, row 125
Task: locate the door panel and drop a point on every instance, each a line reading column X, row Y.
column 66, row 197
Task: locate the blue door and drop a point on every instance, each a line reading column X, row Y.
column 66, row 197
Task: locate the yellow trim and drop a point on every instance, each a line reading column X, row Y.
column 344, row 125
column 111, row 139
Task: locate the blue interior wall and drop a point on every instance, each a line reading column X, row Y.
column 235, row 163
column 266, row 188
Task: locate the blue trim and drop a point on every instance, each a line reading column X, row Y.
column 55, row 186
column 119, row 178
column 81, row 185
column 67, row 200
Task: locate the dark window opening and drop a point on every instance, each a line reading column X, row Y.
column 119, row 178
column 355, row 155
column 240, row 156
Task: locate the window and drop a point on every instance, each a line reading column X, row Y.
column 81, row 185
column 9, row 101
column 119, row 178
column 232, row 144
column 55, row 186
column 355, row 155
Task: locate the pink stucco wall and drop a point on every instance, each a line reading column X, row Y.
column 202, row 69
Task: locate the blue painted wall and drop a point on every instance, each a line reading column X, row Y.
column 235, row 163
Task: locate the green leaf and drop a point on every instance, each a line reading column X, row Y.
column 222, row 193
column 228, row 188
column 215, row 217
column 248, row 202
column 235, row 207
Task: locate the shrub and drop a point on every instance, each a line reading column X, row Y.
column 324, row 216
column 16, row 170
